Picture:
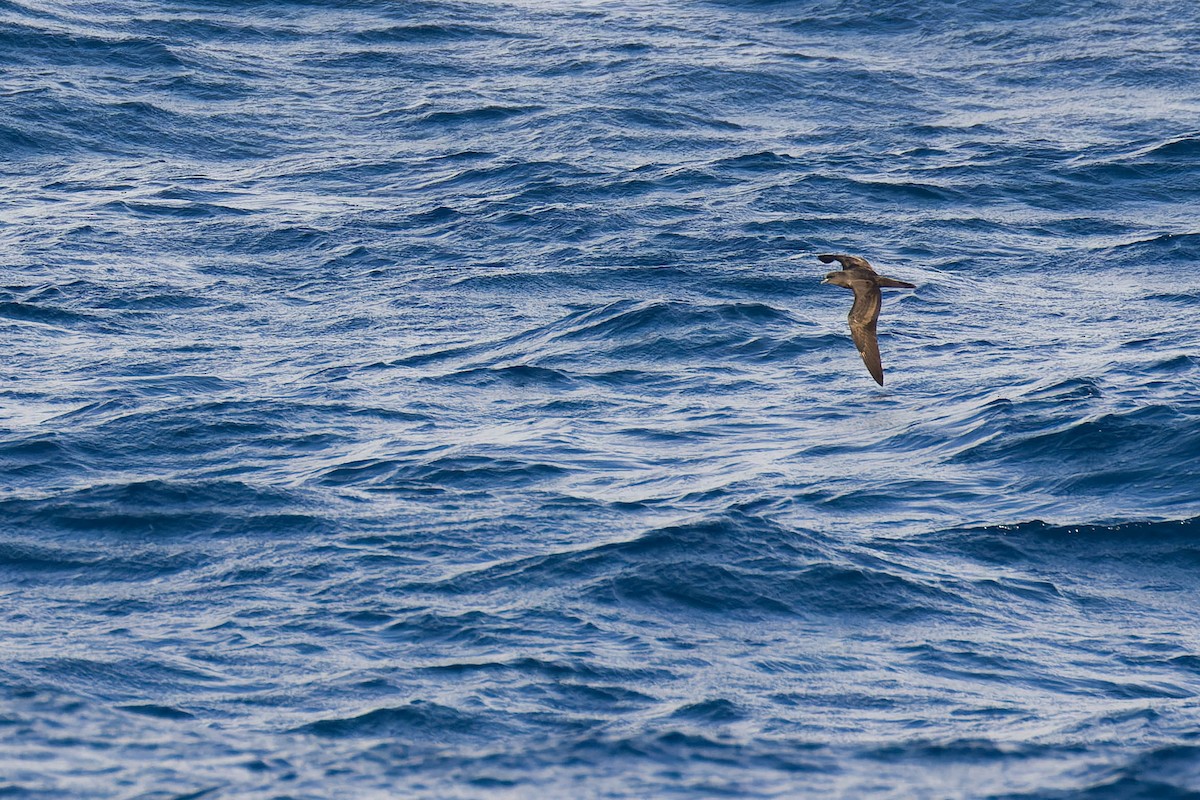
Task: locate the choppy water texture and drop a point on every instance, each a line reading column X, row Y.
column 438, row 399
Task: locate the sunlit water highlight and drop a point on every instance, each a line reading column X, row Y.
column 438, row 399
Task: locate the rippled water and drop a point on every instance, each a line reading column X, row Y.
column 438, row 399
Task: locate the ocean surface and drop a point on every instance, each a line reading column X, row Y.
column 439, row 399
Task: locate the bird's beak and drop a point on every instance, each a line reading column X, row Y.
column 825, row 280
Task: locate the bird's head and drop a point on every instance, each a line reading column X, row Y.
column 836, row 278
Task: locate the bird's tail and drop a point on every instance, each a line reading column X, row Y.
column 892, row 283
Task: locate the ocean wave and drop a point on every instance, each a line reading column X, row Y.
column 1102, row 443
column 420, row 720
column 432, row 32
column 40, row 314
column 734, row 565
column 632, row 333
column 444, row 472
column 162, row 508
column 1174, row 246
column 442, row 396
column 26, row 44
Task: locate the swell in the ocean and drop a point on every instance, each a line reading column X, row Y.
column 439, row 399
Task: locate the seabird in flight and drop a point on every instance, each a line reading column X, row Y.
column 858, row 276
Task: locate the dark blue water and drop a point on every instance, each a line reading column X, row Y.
column 439, row 399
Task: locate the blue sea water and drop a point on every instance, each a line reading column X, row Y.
column 438, row 399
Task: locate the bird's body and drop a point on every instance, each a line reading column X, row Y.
column 858, row 276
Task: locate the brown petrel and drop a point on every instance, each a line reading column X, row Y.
column 858, row 276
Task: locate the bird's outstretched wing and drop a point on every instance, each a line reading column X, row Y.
column 864, row 316
column 847, row 262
